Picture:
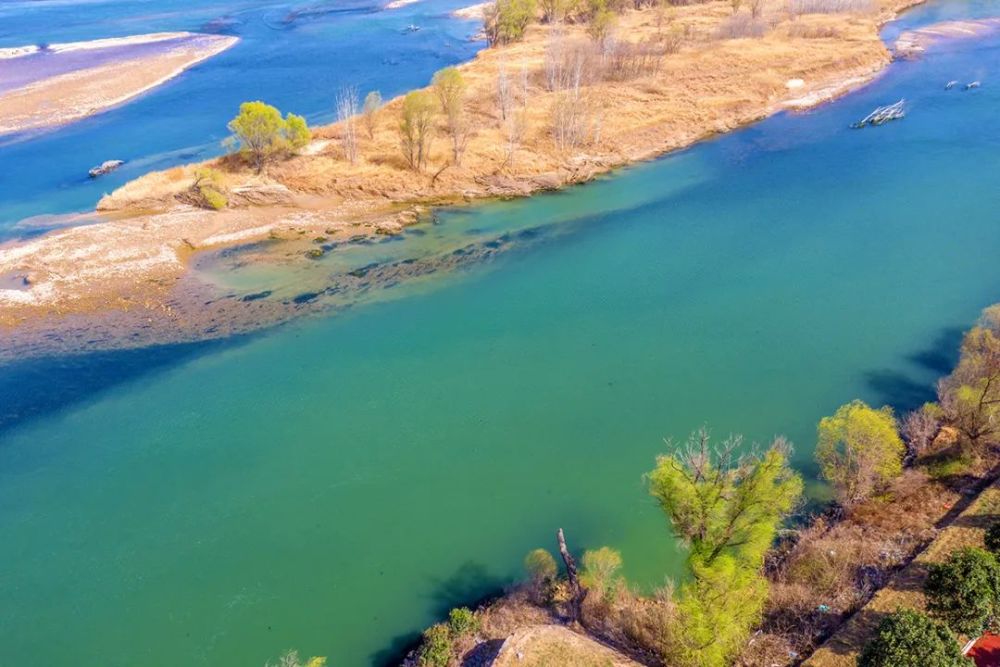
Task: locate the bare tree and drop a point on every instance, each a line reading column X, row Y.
column 369, row 111
column 504, row 100
column 756, row 8
column 347, row 112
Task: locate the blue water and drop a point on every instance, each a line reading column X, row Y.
column 295, row 55
column 337, row 484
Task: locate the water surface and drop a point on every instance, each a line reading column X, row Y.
column 337, row 484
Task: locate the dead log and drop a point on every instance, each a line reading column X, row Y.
column 577, row 592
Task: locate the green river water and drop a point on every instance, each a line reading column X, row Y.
column 338, row 483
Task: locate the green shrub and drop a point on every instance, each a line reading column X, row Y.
column 908, row 638
column 462, row 621
column 992, row 539
column 541, row 568
column 506, row 20
column 436, row 648
column 859, row 450
column 600, row 571
column 208, row 185
column 964, row 591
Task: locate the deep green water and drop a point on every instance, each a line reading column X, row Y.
column 337, row 484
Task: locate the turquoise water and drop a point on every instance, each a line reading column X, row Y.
column 337, row 484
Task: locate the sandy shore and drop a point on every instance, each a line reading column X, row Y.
column 130, row 67
column 472, row 12
column 137, row 263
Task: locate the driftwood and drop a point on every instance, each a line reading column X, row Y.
column 882, row 115
column 577, row 592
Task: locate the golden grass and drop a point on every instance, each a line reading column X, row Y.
column 708, row 85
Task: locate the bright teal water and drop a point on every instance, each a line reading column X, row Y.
column 337, row 484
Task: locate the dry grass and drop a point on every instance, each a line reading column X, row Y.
column 906, row 587
column 687, row 84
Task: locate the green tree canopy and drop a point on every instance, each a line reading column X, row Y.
column 416, row 125
column 722, row 504
column 859, row 449
column 506, row 20
column 964, row 591
column 262, row 133
column 910, row 639
column 600, row 571
column 727, row 509
column 970, row 396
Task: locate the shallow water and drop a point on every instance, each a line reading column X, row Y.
column 336, row 484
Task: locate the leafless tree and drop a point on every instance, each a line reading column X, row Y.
column 504, row 93
column 347, row 112
column 369, row 111
column 919, row 429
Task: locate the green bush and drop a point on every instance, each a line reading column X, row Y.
column 993, row 539
column 908, row 638
column 600, row 571
column 436, row 648
column 209, row 189
column 506, row 20
column 964, row 591
column 462, row 621
column 541, row 568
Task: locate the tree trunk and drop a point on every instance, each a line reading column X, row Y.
column 577, row 592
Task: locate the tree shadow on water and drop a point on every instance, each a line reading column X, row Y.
column 34, row 388
column 469, row 586
column 903, row 392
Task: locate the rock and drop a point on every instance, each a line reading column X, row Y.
column 106, row 167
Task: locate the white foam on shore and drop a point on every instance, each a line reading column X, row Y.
column 19, row 51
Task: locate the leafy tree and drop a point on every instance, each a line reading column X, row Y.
column 435, row 651
column 970, row 396
column 907, row 638
column 449, row 86
column 601, row 25
column 369, row 111
column 727, row 509
column 722, row 504
column 859, row 449
column 600, row 571
column 506, row 20
column 416, row 127
column 461, row 622
column 554, row 11
column 540, row 565
column 296, row 132
column 964, row 591
column 262, row 133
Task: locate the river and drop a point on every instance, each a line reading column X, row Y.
column 338, row 483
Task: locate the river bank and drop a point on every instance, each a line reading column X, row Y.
column 135, row 267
